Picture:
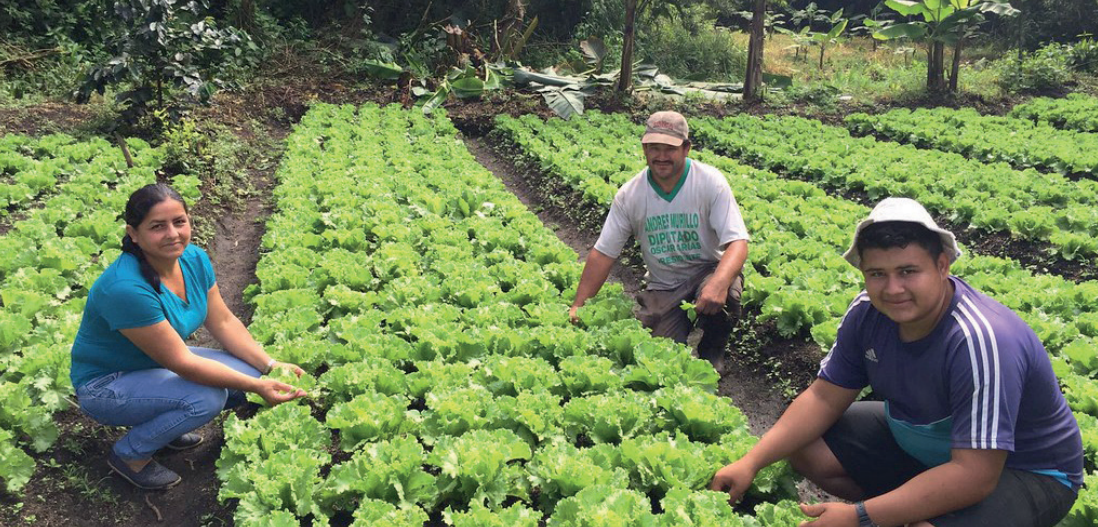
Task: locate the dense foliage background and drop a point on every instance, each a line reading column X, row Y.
column 154, row 58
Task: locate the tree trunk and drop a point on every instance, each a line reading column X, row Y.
column 509, row 29
column 625, row 79
column 935, row 68
column 822, row 48
column 753, row 80
column 243, row 17
column 954, row 72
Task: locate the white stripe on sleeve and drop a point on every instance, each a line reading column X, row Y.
column 961, row 322
column 996, row 378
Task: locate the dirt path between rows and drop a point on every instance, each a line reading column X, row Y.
column 747, row 386
column 746, row 380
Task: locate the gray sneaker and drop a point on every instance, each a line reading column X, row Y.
column 153, row 477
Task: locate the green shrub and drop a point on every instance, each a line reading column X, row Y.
column 1047, row 69
column 820, row 94
column 1084, row 55
column 689, row 48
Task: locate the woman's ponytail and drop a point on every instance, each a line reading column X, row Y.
column 147, row 272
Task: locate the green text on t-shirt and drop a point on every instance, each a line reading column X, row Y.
column 671, row 233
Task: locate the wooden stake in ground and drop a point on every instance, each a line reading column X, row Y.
column 753, row 81
column 125, row 149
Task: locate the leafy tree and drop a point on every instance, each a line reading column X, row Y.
column 944, row 23
column 803, row 35
column 166, row 44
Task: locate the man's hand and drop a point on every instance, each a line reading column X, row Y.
column 733, row 479
column 711, row 298
column 573, row 314
column 276, row 393
column 830, row 515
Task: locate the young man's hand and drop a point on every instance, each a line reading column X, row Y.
column 830, row 515
column 733, row 479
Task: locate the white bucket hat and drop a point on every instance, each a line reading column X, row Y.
column 901, row 209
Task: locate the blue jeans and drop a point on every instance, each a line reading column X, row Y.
column 159, row 405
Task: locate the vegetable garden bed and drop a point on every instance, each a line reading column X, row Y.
column 451, row 314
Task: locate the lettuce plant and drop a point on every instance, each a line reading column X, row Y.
column 391, row 471
column 604, row 506
column 477, row 467
column 371, row 416
column 516, row 515
column 697, row 508
column 611, row 417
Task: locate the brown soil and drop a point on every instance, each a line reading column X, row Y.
column 73, row 485
column 45, row 118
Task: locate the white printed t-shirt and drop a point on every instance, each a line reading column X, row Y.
column 679, row 232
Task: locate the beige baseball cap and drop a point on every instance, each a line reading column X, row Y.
column 666, row 127
column 901, row 209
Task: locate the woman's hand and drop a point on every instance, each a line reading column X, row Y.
column 297, row 371
column 277, row 392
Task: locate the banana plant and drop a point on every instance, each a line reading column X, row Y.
column 832, row 36
column 944, row 23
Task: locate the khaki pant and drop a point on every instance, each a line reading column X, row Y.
column 659, row 311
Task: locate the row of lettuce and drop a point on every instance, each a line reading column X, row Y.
column 1019, row 142
column 449, row 385
column 61, row 230
column 797, row 276
column 1077, row 112
column 987, row 197
column 30, row 168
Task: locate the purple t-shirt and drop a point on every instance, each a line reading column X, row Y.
column 980, row 380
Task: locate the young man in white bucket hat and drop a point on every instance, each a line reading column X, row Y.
column 973, row 429
column 691, row 235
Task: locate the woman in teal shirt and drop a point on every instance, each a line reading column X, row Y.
column 130, row 365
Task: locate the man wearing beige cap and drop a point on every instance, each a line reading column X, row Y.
column 969, row 427
column 691, row 235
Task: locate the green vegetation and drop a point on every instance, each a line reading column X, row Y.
column 796, row 272
column 1027, row 203
column 525, row 383
column 986, row 138
column 1074, row 112
column 49, row 257
column 430, row 305
column 799, row 277
column 164, row 44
